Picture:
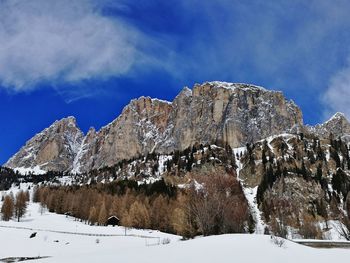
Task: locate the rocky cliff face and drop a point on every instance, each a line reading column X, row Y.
column 299, row 179
column 141, row 127
column 219, row 112
column 213, row 112
column 52, row 149
column 210, row 113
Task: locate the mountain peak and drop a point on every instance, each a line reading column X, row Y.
column 338, row 116
column 338, row 125
column 67, row 122
column 69, row 119
column 53, row 148
column 233, row 85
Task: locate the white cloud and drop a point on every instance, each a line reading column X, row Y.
column 337, row 96
column 69, row 41
column 65, row 40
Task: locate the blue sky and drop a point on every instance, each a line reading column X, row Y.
column 88, row 58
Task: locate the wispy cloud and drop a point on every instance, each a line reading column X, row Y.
column 298, row 46
column 337, row 96
column 67, row 40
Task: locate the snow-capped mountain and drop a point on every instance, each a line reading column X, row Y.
column 210, row 113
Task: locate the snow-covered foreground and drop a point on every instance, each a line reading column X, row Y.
column 72, row 246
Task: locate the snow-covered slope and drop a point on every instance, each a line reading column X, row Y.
column 60, row 238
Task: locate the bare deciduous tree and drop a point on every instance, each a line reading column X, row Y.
column 139, row 215
column 309, row 228
column 20, row 204
column 218, row 205
column 93, row 215
column 102, row 217
column 7, row 208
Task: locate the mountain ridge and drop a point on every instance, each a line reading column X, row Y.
column 212, row 112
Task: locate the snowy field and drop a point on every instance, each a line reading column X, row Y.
column 62, row 239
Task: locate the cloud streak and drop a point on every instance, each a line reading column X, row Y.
column 295, row 46
column 61, row 41
column 337, row 96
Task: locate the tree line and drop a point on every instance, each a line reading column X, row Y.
column 214, row 205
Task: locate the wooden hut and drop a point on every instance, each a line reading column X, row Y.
column 112, row 221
